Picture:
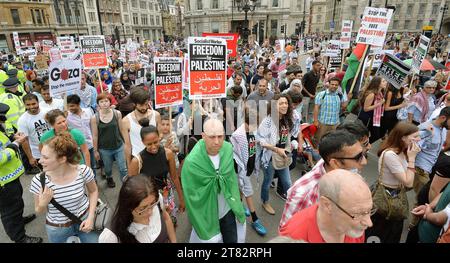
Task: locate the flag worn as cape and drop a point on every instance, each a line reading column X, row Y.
column 201, row 185
column 353, row 63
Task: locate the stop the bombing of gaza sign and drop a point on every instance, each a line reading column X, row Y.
column 64, row 76
column 346, row 33
column 94, row 52
column 168, row 81
column 374, row 26
column 207, row 67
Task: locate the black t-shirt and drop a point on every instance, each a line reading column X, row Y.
column 255, row 78
column 284, row 133
column 441, row 169
column 251, row 153
column 309, row 82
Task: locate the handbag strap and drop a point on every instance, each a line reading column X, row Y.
column 58, row 206
column 382, row 169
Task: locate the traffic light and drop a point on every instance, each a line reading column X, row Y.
column 255, row 29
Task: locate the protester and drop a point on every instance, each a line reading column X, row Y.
column 140, row 216
column 208, row 177
column 65, row 181
column 341, row 215
column 309, row 82
column 49, row 103
column 422, row 105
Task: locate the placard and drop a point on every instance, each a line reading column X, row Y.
column 140, row 77
column 41, row 62
column 374, row 26
column 207, row 67
column 393, row 70
column 346, row 33
column 93, row 52
column 420, row 53
column 231, row 38
column 333, row 48
column 168, row 81
column 64, row 76
column 66, row 46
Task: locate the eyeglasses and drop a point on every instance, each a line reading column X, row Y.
column 148, row 207
column 357, row 216
column 359, row 157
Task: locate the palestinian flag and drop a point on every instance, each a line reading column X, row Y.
column 353, row 63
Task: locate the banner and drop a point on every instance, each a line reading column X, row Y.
column 16, row 40
column 41, row 62
column 393, row 70
column 333, row 48
column 46, row 45
column 335, row 62
column 346, row 33
column 231, row 38
column 207, row 67
column 94, row 52
column 64, row 76
column 309, row 44
column 420, row 53
column 374, row 26
column 66, row 46
column 140, row 76
column 378, row 57
column 133, row 55
column 168, row 81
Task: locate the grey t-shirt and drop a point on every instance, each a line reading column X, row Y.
column 257, row 97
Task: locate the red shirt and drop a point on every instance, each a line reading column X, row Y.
column 303, row 226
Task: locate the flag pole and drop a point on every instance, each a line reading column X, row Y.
column 357, row 72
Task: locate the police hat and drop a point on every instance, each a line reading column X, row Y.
column 12, row 72
column 4, row 108
column 10, row 82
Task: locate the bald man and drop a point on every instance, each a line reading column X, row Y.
column 211, row 190
column 342, row 214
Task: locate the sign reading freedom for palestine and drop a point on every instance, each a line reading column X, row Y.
column 374, row 26
column 168, row 81
column 393, row 70
column 207, row 67
column 94, row 52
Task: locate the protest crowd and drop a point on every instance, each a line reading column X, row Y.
column 192, row 133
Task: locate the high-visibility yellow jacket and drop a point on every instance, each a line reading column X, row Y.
column 10, row 165
column 16, row 109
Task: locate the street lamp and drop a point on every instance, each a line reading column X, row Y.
column 245, row 5
column 332, row 24
column 303, row 24
column 443, row 9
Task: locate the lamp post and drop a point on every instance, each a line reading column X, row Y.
column 246, row 5
column 443, row 9
column 303, row 24
column 332, row 20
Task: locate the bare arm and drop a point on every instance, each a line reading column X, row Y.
column 87, row 156
column 125, row 130
column 316, row 114
column 368, row 103
column 133, row 168
column 169, row 226
column 27, row 150
column 436, row 185
column 94, row 131
column 88, row 224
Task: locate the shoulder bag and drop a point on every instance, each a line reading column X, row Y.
column 103, row 213
column 391, row 203
column 279, row 162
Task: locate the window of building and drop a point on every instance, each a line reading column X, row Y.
column 144, row 19
column 94, row 30
column 199, row 5
column 274, row 3
column 215, row 4
column 126, row 18
column 432, row 22
column 146, row 34
column 134, row 3
column 37, row 16
column 274, row 27
column 435, row 9
column 90, row 3
column 318, row 18
column 215, row 27
column 319, row 9
column 124, row 5
column 152, row 20
column 158, row 21
column 422, row 8
column 395, row 24
column 150, row 6
column 110, row 18
column 407, row 24
column 419, row 24
column 92, row 17
column 409, row 9
column 354, row 8
column 143, row 4
column 15, row 16
column 135, row 19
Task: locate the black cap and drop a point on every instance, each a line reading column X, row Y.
column 11, row 83
column 4, row 108
column 12, row 72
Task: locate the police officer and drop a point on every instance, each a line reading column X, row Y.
column 14, row 73
column 11, row 202
column 13, row 98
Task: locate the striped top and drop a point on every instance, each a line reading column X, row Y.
column 72, row 196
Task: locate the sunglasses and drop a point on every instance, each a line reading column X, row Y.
column 359, row 157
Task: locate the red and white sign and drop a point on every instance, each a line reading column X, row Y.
column 67, row 47
column 168, row 81
column 374, row 26
column 46, row 45
column 94, row 52
column 207, row 67
column 231, row 38
column 64, row 76
column 346, row 33
column 55, row 54
column 16, row 40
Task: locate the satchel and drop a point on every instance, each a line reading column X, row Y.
column 392, row 205
column 102, row 212
column 279, row 162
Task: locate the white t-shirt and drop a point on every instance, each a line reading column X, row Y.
column 56, row 104
column 223, row 206
column 33, row 126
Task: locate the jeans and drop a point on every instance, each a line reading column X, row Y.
column 284, row 178
column 228, row 228
column 108, row 156
column 61, row 234
column 11, row 210
column 93, row 161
